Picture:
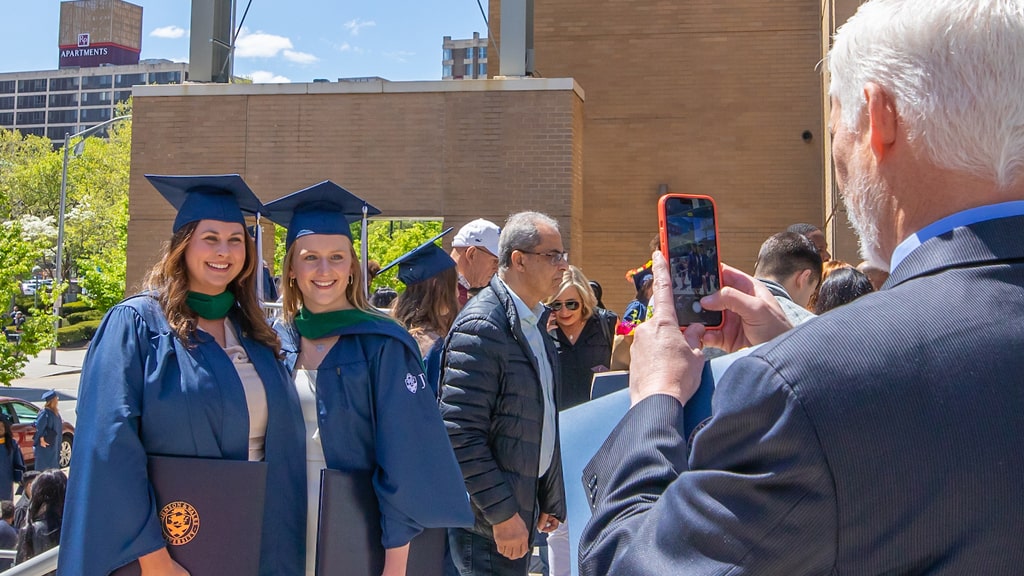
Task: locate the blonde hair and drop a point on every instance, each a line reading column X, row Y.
column 574, row 278
column 169, row 279
column 291, row 296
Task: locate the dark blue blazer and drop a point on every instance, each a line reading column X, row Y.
column 881, row 438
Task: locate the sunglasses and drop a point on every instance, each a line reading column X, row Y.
column 569, row 304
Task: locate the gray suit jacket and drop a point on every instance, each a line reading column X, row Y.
column 880, row 439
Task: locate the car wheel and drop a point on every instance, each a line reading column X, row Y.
column 65, row 450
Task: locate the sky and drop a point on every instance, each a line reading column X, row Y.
column 280, row 41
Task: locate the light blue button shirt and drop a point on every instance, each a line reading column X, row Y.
column 947, row 224
column 535, row 335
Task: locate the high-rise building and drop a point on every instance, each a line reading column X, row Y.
column 100, row 42
column 464, row 59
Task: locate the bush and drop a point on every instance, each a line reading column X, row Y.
column 77, row 332
column 76, row 306
column 78, row 317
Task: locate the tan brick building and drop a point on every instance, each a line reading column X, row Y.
column 446, row 150
column 704, row 96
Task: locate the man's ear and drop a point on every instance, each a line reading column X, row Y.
column 883, row 119
column 802, row 278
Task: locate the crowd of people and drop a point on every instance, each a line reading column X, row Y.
column 870, row 432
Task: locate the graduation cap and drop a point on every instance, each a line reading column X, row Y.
column 323, row 208
column 49, row 394
column 221, row 197
column 422, row 262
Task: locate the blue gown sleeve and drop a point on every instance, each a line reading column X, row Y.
column 110, row 516
column 418, row 481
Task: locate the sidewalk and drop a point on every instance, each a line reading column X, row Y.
column 69, row 361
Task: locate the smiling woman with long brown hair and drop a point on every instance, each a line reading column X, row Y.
column 187, row 368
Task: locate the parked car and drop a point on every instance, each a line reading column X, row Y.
column 23, row 416
column 29, row 287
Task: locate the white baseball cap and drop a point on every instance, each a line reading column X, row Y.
column 480, row 233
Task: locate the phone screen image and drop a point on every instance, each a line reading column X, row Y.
column 690, row 242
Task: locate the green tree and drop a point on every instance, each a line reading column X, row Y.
column 17, row 256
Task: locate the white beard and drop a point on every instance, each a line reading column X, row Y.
column 866, row 204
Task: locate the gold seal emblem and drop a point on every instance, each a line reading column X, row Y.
column 180, row 521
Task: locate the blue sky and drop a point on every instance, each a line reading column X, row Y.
column 281, row 40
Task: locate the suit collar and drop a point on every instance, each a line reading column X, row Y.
column 976, row 244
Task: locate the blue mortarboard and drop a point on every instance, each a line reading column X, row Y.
column 422, row 262
column 323, row 208
column 223, row 197
column 49, row 394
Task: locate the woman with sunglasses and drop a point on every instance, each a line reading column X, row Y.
column 583, row 335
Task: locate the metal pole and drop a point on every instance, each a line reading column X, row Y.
column 60, row 248
column 60, row 226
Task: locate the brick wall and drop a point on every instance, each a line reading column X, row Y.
column 703, row 96
column 480, row 149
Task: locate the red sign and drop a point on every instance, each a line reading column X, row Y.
column 87, row 55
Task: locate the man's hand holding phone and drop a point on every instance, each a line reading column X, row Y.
column 751, row 315
column 664, row 359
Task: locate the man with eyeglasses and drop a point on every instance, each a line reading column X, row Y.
column 499, row 375
column 475, row 251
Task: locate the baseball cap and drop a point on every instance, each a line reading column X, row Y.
column 480, row 233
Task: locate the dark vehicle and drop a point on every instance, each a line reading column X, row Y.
column 23, row 416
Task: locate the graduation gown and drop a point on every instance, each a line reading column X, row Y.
column 49, row 427
column 12, row 467
column 377, row 413
column 144, row 392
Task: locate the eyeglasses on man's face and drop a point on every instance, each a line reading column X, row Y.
column 554, row 256
column 569, row 305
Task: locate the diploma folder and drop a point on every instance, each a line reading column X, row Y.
column 211, row 511
column 349, row 534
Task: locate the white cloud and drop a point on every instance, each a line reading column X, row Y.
column 399, row 55
column 355, row 25
column 346, row 47
column 171, row 32
column 264, row 77
column 299, row 57
column 260, row 44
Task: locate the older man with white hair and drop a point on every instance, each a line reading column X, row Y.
column 882, row 438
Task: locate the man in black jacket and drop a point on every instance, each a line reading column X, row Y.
column 499, row 378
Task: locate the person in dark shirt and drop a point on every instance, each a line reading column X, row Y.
column 8, row 534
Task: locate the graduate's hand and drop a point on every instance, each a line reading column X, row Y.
column 512, row 538
column 160, row 563
column 547, row 523
column 44, row 443
column 396, row 560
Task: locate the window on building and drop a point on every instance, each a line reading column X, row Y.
column 165, row 78
column 7, row 87
column 481, row 52
column 482, row 70
column 37, row 117
column 7, row 119
column 33, row 101
column 469, row 70
column 64, row 84
column 129, row 80
column 122, row 95
column 63, row 116
column 446, row 71
column 63, row 100
column 39, row 131
column 32, row 85
column 469, row 53
column 97, row 82
column 6, row 102
column 95, row 114
column 446, row 54
column 96, row 99
column 59, row 132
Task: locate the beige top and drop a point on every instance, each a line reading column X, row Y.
column 255, row 395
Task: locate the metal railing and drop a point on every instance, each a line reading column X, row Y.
column 35, row 566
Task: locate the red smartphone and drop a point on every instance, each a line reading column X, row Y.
column 688, row 227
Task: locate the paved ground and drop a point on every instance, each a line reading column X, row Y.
column 62, row 376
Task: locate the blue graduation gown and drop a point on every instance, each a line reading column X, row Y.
column 12, row 467
column 377, row 413
column 144, row 392
column 48, row 426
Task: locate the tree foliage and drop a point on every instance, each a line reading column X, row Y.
column 17, row 257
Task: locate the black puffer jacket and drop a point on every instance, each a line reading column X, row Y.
column 493, row 407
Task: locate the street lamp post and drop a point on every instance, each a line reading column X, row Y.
column 60, row 224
